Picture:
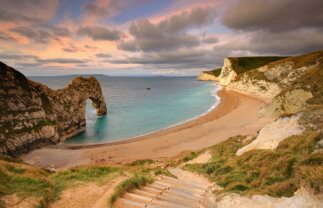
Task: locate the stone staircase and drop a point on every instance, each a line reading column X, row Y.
column 188, row 190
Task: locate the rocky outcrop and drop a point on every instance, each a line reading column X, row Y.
column 228, row 74
column 273, row 133
column 34, row 115
column 205, row 76
column 289, row 103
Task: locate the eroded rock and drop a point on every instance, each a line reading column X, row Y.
column 33, row 115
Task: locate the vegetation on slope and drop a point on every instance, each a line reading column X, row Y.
column 277, row 172
column 244, row 64
column 301, row 60
column 214, row 72
column 27, row 181
column 311, row 80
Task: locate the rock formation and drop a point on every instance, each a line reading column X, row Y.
column 34, row 115
column 269, row 80
column 212, row 75
column 228, row 74
column 204, row 76
column 233, row 66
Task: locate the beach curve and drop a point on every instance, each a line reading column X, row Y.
column 171, row 143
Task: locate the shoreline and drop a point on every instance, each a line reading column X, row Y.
column 178, row 126
column 214, row 93
column 221, row 122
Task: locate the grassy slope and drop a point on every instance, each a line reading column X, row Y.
column 244, row 64
column 295, row 61
column 282, row 171
column 214, row 72
column 27, row 181
column 276, row 173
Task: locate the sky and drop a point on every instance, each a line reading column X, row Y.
column 152, row 37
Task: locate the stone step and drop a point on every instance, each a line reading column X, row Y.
column 171, row 184
column 151, row 201
column 150, row 191
column 134, row 204
column 184, row 183
column 181, row 200
column 176, row 201
column 184, row 190
column 166, row 187
column 183, row 194
column 171, row 197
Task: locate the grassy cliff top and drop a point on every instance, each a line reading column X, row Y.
column 244, row 64
column 215, row 72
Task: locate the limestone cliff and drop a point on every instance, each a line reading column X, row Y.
column 34, row 115
column 233, row 66
column 204, row 76
column 269, row 80
column 307, row 90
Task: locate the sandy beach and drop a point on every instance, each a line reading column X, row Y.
column 235, row 114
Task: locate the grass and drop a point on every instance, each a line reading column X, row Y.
column 244, row 64
column 191, row 156
column 277, row 173
column 28, row 181
column 72, row 176
column 214, row 72
column 142, row 162
column 130, row 184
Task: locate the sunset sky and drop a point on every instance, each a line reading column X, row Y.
column 152, row 37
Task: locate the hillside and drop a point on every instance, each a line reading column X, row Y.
column 281, row 165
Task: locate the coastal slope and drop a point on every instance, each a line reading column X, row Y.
column 33, row 115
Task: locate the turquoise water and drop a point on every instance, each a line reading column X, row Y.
column 134, row 111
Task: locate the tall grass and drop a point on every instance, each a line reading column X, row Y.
column 129, row 184
column 277, row 172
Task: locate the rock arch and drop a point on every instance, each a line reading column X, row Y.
column 33, row 115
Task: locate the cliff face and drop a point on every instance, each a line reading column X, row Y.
column 228, row 74
column 234, row 66
column 269, row 80
column 34, row 115
column 204, row 76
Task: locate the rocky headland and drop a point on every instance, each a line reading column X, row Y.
column 33, row 115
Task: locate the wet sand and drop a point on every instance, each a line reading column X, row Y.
column 235, row 114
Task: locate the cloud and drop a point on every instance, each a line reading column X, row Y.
column 274, row 15
column 103, row 55
column 62, row 61
column 180, row 59
column 5, row 36
column 166, row 42
column 94, row 9
column 102, row 8
column 36, row 61
column 170, row 33
column 284, row 43
column 211, row 39
column 100, row 33
column 17, row 57
column 41, row 33
column 27, row 10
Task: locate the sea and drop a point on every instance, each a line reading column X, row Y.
column 135, row 111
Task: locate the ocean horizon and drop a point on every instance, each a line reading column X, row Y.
column 135, row 111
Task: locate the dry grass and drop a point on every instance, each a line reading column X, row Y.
column 276, row 173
